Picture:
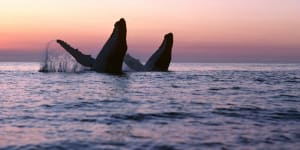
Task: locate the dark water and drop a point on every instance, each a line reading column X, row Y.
column 196, row 106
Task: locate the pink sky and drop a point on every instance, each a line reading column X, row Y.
column 204, row 30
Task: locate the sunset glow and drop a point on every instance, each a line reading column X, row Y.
column 203, row 29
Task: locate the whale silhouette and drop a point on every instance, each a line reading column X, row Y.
column 159, row 61
column 111, row 57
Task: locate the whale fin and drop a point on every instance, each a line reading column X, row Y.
column 133, row 63
column 85, row 60
column 161, row 59
column 110, row 59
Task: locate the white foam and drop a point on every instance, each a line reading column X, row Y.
column 58, row 60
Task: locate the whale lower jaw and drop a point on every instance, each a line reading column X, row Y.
column 159, row 61
column 110, row 59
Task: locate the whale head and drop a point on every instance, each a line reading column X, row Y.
column 161, row 59
column 110, row 58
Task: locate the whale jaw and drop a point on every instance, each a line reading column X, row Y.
column 110, row 59
column 161, row 59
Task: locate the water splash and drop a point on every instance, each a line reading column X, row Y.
column 58, row 60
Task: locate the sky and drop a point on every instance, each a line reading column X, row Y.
column 204, row 30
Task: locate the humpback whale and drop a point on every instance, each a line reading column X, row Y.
column 110, row 59
column 159, row 61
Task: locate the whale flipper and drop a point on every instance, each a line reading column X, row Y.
column 161, row 59
column 133, row 63
column 110, row 59
column 85, row 60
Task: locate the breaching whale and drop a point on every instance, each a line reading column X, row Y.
column 159, row 61
column 111, row 57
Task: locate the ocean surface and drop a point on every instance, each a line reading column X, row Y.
column 194, row 106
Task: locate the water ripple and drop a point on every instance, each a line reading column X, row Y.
column 195, row 106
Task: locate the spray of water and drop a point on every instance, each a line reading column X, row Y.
column 58, row 60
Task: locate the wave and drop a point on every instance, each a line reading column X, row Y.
column 147, row 116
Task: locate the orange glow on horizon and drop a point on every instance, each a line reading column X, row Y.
column 28, row 24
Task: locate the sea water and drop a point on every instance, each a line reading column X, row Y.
column 194, row 106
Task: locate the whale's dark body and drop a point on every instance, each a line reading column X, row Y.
column 159, row 61
column 111, row 57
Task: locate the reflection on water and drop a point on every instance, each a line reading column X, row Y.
column 11, row 135
column 17, row 66
column 206, row 106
